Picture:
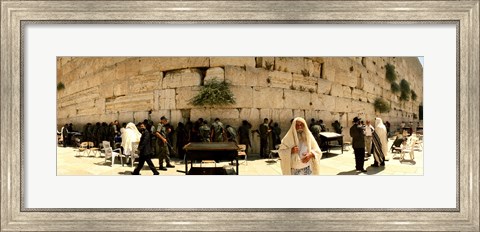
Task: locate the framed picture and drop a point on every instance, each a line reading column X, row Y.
column 35, row 35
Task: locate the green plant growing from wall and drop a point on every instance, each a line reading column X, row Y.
column 405, row 90
column 413, row 95
column 212, row 93
column 268, row 65
column 305, row 73
column 390, row 73
column 381, row 105
column 394, row 87
column 60, row 86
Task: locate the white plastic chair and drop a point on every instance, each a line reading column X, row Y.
column 110, row 154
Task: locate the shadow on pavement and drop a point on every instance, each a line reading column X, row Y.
column 327, row 155
column 125, row 173
column 374, row 170
column 408, row 162
column 352, row 172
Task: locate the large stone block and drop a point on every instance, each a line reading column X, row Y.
column 337, row 90
column 299, row 113
column 243, row 96
column 297, row 99
column 359, row 95
column 184, row 95
column 293, row 64
column 182, row 78
column 345, row 77
column 256, row 77
column 175, row 63
column 197, row 113
column 267, row 98
column 120, row 88
column 132, row 67
column 347, row 91
column 232, row 61
column 343, row 105
column 249, row 114
column 316, row 69
column 235, row 75
column 369, row 86
column 224, row 113
column 145, row 82
column 305, row 83
column 215, row 74
column 318, row 101
column 279, row 79
column 361, row 107
column 329, row 70
column 166, row 99
column 132, row 102
column 324, row 86
column 329, row 102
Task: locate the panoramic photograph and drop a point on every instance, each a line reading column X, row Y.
column 251, row 116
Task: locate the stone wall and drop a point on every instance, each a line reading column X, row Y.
column 281, row 88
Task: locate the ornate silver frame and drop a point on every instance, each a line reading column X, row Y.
column 14, row 217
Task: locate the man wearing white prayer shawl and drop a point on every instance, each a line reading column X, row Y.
column 130, row 135
column 299, row 152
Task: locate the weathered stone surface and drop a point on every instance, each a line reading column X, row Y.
column 296, row 99
column 343, row 105
column 182, row 78
column 267, row 98
column 223, row 114
column 249, row 114
column 215, row 74
column 256, row 77
column 232, row 61
column 329, row 70
column 266, row 63
column 329, row 102
column 184, row 95
column 344, row 77
column 337, row 90
column 235, row 75
column 324, row 86
column 318, row 101
column 110, row 88
column 305, row 83
column 347, row 91
column 298, row 113
column 280, row 79
column 368, row 86
column 166, row 99
column 132, row 102
column 243, row 96
column 145, row 83
column 293, row 64
column 358, row 95
column 197, row 113
column 175, row 63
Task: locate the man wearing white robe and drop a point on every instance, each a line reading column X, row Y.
column 130, row 135
column 299, row 152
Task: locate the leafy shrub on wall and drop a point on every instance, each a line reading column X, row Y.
column 405, row 90
column 381, row 105
column 390, row 73
column 213, row 93
column 60, row 86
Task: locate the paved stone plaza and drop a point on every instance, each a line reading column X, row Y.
column 333, row 163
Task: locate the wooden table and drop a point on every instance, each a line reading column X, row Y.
column 209, row 151
column 327, row 137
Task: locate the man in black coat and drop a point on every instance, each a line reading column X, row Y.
column 358, row 144
column 145, row 151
